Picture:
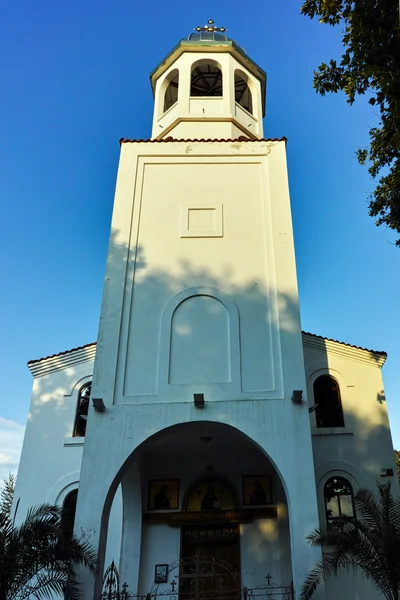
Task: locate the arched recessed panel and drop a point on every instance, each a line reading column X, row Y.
column 206, row 80
column 243, row 93
column 171, row 92
column 329, row 411
column 200, row 345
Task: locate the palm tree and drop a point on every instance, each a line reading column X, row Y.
column 38, row 559
column 368, row 543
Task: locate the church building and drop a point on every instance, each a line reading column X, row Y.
column 203, row 436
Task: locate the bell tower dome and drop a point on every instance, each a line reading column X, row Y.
column 207, row 87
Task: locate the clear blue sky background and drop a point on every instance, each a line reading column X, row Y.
column 75, row 78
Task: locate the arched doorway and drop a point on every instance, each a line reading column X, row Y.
column 209, row 491
column 201, row 489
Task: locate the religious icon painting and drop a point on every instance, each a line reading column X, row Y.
column 210, row 494
column 161, row 574
column 163, row 494
column 257, row 490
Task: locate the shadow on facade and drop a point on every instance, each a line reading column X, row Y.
column 357, row 453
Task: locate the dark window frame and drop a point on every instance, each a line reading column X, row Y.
column 327, row 398
column 82, row 408
column 173, row 82
column 338, row 487
column 241, row 87
column 68, row 512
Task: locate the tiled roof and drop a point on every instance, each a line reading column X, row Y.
column 36, row 360
column 31, row 362
column 321, row 337
column 171, row 139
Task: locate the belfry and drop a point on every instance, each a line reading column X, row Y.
column 206, row 435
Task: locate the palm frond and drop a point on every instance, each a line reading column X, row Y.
column 368, row 543
column 37, row 559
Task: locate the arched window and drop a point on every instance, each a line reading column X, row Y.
column 338, row 497
column 68, row 513
column 171, row 93
column 206, row 80
column 243, row 93
column 82, row 410
column 329, row 411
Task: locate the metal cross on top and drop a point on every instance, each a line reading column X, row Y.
column 210, row 27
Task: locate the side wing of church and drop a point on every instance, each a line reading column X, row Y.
column 206, row 433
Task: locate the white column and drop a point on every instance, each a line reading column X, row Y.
column 303, row 519
column 131, row 529
column 95, row 498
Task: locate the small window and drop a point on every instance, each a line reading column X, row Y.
column 329, row 411
column 68, row 513
column 206, row 80
column 171, row 93
column 243, row 93
column 339, row 502
column 82, row 410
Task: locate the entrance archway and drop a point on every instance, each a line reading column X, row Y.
column 251, row 535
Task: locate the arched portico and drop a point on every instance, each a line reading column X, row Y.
column 180, row 456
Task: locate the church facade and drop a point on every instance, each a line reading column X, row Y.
column 206, row 433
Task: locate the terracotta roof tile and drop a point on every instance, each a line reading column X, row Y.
column 321, row 337
column 305, row 332
column 36, row 360
column 171, row 139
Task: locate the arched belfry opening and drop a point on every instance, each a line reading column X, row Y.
column 171, row 91
column 243, row 94
column 206, row 80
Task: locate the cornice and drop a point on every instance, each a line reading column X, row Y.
column 57, row 362
column 326, row 345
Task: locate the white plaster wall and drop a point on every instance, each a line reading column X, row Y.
column 160, row 545
column 357, row 451
column 265, row 546
column 51, row 459
column 365, row 443
column 242, row 182
column 114, row 535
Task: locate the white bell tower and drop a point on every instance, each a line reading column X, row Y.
column 199, row 334
column 208, row 87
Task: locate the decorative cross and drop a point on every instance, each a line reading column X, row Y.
column 210, row 27
column 173, row 584
column 268, row 578
column 124, row 593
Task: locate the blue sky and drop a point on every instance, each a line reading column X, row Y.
column 75, row 79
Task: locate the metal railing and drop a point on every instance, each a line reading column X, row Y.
column 198, row 585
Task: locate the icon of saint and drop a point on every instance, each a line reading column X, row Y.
column 161, row 500
column 258, row 495
column 210, row 500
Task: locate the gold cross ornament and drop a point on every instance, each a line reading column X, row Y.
column 210, row 27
